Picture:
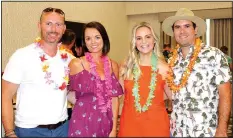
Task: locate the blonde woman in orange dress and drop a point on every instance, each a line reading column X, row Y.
column 142, row 76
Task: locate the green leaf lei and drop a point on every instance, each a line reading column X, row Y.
column 139, row 108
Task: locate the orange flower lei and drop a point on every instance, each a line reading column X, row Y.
column 62, row 47
column 170, row 78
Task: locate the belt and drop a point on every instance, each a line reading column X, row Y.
column 52, row 126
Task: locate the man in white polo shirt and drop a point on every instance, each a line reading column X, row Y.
column 38, row 74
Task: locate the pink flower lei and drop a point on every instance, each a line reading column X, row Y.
column 108, row 81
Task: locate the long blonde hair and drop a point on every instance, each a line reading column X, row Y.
column 133, row 56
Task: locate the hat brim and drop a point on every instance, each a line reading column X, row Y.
column 200, row 23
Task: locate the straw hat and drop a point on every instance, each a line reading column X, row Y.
column 184, row 14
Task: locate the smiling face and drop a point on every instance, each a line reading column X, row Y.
column 144, row 40
column 184, row 33
column 52, row 27
column 93, row 40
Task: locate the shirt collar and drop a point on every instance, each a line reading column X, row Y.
column 191, row 49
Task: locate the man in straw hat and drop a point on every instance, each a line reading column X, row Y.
column 199, row 78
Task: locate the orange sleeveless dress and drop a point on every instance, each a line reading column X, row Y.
column 152, row 123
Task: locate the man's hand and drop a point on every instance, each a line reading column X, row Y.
column 220, row 133
column 11, row 135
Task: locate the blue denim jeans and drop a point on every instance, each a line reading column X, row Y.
column 61, row 131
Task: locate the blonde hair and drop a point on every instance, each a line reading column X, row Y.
column 132, row 59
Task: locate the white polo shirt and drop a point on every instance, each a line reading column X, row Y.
column 39, row 102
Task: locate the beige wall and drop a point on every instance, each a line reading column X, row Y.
column 156, row 12
column 133, row 8
column 150, row 18
column 19, row 23
column 19, row 19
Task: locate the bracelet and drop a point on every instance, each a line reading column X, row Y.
column 10, row 133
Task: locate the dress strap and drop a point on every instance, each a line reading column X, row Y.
column 82, row 63
column 111, row 64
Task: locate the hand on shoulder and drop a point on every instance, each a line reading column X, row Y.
column 163, row 68
column 75, row 66
column 122, row 64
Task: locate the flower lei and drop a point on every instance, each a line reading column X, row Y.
column 152, row 86
column 45, row 67
column 62, row 47
column 99, row 86
column 170, row 78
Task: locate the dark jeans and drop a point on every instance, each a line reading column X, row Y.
column 61, row 131
column 69, row 113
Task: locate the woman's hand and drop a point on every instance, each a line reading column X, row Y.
column 112, row 133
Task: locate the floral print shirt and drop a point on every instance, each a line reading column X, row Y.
column 195, row 105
